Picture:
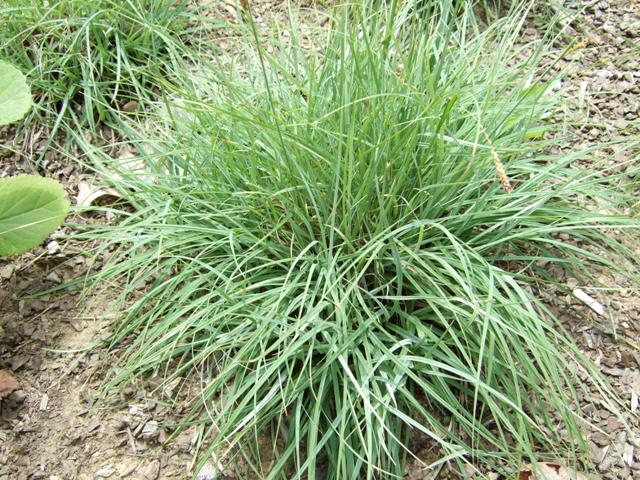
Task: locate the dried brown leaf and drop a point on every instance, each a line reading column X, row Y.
column 550, row 471
column 88, row 194
column 7, row 383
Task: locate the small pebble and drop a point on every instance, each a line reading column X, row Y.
column 104, row 473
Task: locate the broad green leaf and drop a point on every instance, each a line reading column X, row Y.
column 536, row 132
column 32, row 208
column 15, row 95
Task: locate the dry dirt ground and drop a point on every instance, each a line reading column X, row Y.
column 50, row 426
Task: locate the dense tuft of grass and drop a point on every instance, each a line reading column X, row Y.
column 88, row 59
column 344, row 247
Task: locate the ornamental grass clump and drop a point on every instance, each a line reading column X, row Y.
column 343, row 247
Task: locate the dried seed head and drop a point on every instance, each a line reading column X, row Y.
column 502, row 175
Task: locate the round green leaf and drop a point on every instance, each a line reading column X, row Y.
column 15, row 95
column 33, row 207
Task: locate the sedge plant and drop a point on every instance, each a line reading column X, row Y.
column 89, row 60
column 343, row 246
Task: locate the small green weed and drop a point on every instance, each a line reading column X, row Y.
column 32, row 207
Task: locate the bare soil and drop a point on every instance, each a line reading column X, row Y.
column 52, row 428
